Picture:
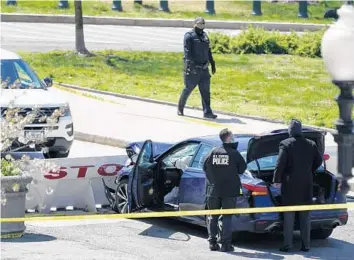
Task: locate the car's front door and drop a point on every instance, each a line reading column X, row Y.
column 192, row 186
column 142, row 180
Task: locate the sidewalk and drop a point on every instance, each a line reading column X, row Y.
column 117, row 121
column 158, row 22
column 134, row 120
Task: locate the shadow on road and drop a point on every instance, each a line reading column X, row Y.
column 267, row 245
column 218, row 120
column 29, row 238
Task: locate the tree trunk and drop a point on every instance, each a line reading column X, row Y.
column 79, row 30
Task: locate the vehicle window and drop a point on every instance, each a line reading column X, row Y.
column 184, row 151
column 265, row 163
column 200, row 157
column 146, row 154
column 17, row 74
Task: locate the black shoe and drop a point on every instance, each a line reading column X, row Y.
column 180, row 112
column 285, row 248
column 305, row 248
column 226, row 248
column 214, row 247
column 211, row 116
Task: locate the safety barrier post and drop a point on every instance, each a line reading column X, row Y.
column 63, row 4
column 164, row 6
column 117, row 6
column 257, row 8
column 303, row 9
column 11, row 2
column 210, row 7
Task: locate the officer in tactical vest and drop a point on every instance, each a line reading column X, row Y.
column 197, row 56
column 222, row 167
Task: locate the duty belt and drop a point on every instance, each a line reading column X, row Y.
column 202, row 66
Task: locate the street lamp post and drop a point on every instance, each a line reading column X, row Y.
column 338, row 55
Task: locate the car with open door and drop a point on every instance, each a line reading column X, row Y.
column 170, row 177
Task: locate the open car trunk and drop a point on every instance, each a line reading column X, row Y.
column 263, row 151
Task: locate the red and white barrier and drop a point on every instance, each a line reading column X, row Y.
column 78, row 184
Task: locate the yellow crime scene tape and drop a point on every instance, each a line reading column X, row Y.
column 186, row 213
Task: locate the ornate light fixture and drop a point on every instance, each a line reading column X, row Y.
column 338, row 54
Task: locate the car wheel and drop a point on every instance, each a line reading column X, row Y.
column 321, row 233
column 122, row 197
column 58, row 154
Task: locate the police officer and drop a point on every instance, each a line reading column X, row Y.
column 222, row 167
column 297, row 161
column 197, row 56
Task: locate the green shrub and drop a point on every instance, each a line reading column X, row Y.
column 258, row 41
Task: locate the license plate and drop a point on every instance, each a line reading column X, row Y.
column 34, row 135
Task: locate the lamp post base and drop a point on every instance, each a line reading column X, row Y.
column 345, row 136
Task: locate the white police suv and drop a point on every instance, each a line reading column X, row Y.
column 30, row 92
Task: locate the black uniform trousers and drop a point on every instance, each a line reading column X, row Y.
column 192, row 78
column 305, row 227
column 226, row 228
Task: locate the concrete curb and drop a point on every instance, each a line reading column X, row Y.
column 103, row 140
column 157, row 22
column 332, row 131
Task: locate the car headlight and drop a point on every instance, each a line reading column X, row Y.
column 65, row 111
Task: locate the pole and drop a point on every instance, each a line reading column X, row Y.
column 210, row 7
column 11, row 2
column 345, row 136
column 117, row 6
column 302, row 9
column 164, row 6
column 63, row 4
column 257, row 8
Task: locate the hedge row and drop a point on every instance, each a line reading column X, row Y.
column 258, row 41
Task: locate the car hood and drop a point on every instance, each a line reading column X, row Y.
column 268, row 144
column 31, row 98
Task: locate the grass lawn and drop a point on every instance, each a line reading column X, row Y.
column 277, row 87
column 225, row 10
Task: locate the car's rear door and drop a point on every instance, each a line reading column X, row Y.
column 142, row 181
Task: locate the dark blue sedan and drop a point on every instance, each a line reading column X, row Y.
column 155, row 180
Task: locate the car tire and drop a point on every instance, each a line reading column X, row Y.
column 321, row 233
column 121, row 197
column 58, row 154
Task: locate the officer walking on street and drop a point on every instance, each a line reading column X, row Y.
column 197, row 56
column 298, row 159
column 222, row 167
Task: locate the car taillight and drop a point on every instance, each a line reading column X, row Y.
column 326, row 157
column 256, row 190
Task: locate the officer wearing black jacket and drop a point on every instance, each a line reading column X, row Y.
column 222, row 167
column 197, row 57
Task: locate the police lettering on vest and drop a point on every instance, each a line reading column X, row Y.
column 220, row 159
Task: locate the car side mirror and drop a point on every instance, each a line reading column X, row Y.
column 48, row 81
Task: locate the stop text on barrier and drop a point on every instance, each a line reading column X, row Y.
column 84, row 171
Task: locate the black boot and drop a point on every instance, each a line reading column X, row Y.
column 180, row 112
column 210, row 116
column 305, row 248
column 226, row 248
column 285, row 248
column 213, row 246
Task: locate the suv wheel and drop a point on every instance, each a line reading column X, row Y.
column 58, row 154
column 121, row 195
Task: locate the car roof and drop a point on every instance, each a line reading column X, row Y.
column 8, row 55
column 214, row 140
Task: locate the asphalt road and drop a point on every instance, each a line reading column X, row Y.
column 157, row 239
column 86, row 149
column 37, row 37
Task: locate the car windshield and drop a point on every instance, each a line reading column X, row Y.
column 17, row 74
column 265, row 163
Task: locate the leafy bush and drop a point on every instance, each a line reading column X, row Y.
column 258, row 41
